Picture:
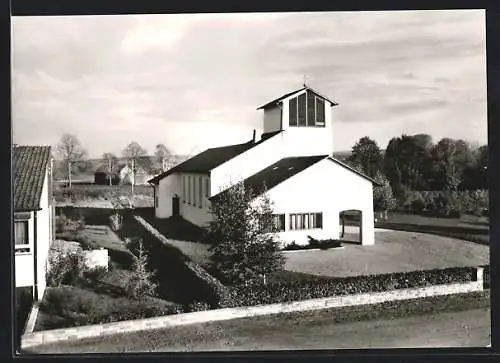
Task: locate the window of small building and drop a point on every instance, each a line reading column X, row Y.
column 207, row 187
column 189, row 188
column 21, row 236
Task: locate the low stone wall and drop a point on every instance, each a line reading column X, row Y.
column 52, row 336
column 97, row 258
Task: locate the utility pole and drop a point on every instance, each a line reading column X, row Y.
column 133, row 176
column 110, row 172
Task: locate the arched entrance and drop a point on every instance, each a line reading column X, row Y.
column 351, row 225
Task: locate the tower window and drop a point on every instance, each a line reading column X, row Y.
column 307, row 109
column 302, row 107
column 293, row 111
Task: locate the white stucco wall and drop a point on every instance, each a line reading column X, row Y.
column 43, row 237
column 191, row 212
column 304, row 140
column 328, row 188
column 25, row 261
column 24, row 264
column 248, row 163
column 166, row 189
column 272, row 119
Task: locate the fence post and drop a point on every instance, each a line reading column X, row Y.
column 480, row 275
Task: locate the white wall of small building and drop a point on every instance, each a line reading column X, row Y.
column 326, row 188
column 25, row 261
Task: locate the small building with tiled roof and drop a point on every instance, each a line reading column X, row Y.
column 293, row 159
column 33, row 215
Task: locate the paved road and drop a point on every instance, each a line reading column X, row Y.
column 469, row 328
column 456, row 329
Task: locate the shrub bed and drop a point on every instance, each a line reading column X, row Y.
column 314, row 244
column 320, row 287
column 68, row 306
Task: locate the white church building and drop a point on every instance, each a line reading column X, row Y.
column 308, row 187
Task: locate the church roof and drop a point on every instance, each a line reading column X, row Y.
column 212, row 158
column 277, row 100
column 284, row 169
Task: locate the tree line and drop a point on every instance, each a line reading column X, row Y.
column 74, row 158
column 415, row 165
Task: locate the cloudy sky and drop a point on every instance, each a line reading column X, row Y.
column 195, row 81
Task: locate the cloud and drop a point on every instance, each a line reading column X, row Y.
column 191, row 80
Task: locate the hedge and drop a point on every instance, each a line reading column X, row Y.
column 79, row 192
column 179, row 278
column 320, row 287
column 443, row 202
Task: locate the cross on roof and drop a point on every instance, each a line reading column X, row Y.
column 305, row 81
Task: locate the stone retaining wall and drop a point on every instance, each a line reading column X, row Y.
column 58, row 335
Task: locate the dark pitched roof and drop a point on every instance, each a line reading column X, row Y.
column 29, row 164
column 211, row 158
column 274, row 102
column 348, row 167
column 285, row 169
column 277, row 173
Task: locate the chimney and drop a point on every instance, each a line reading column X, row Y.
column 254, row 135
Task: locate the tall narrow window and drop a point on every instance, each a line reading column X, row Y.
column 189, row 188
column 320, row 112
column 21, row 236
column 318, row 220
column 195, row 196
column 292, row 109
column 292, row 222
column 311, row 109
column 184, row 196
column 301, row 109
column 207, row 187
column 200, row 191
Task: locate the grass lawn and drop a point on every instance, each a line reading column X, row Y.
column 393, row 251
column 320, row 329
column 468, row 227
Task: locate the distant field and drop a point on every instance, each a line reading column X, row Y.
column 468, row 227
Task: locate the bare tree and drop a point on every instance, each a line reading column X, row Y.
column 111, row 162
column 71, row 151
column 134, row 152
column 161, row 156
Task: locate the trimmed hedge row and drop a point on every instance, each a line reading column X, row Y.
column 321, row 287
column 179, row 278
column 80, row 192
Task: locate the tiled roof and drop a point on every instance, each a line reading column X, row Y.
column 274, row 102
column 29, row 164
column 212, row 158
column 277, row 173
